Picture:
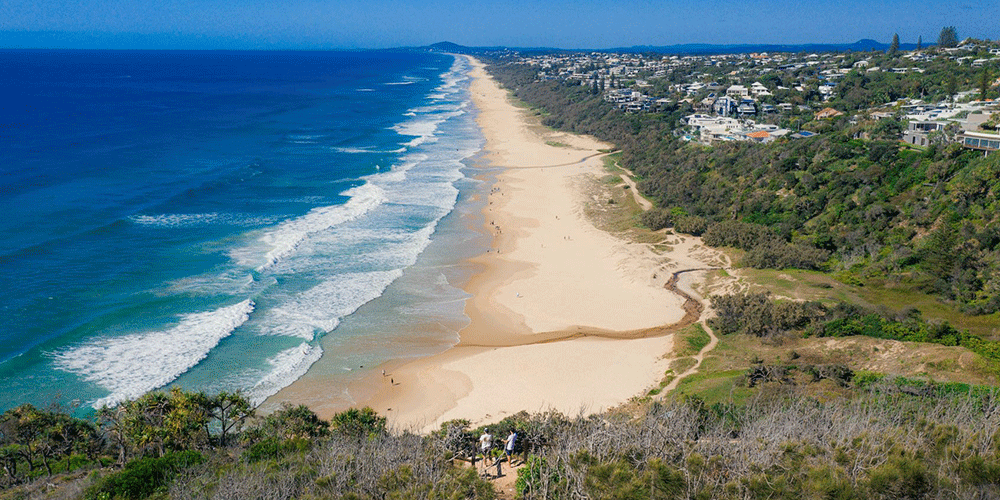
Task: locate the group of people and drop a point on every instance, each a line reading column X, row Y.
column 486, row 444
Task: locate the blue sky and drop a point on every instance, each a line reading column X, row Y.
column 326, row 24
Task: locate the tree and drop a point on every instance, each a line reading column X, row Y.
column 358, row 423
column 158, row 422
column 948, row 37
column 894, row 46
column 951, row 86
column 295, row 422
column 920, row 42
column 29, row 435
column 984, row 83
column 231, row 409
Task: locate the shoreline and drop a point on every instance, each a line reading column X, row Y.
column 563, row 316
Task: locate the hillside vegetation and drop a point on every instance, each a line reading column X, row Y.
column 881, row 438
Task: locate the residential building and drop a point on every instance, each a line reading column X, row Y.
column 917, row 131
column 738, row 91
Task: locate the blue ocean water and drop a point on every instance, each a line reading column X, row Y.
column 206, row 219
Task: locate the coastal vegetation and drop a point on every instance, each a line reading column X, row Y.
column 799, row 432
column 850, row 200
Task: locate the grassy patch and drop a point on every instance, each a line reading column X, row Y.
column 557, row 144
column 611, row 164
column 663, row 383
column 987, row 326
column 715, row 387
column 612, row 209
column 691, row 340
column 681, row 365
column 813, row 285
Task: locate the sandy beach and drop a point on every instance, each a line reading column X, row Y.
column 563, row 316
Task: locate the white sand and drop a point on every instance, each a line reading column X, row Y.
column 559, row 315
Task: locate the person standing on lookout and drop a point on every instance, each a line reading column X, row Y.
column 485, row 442
column 508, row 447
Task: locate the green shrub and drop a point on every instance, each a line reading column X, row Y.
column 273, row 448
column 143, row 477
column 901, row 478
column 358, row 423
column 691, row 224
column 656, row 218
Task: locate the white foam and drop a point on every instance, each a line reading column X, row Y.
column 407, row 82
column 443, row 196
column 131, row 365
column 398, row 172
column 320, row 308
column 351, row 150
column 194, row 220
column 231, row 282
column 286, row 367
column 284, row 239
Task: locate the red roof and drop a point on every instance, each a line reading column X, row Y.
column 760, row 134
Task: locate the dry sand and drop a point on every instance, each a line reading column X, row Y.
column 563, row 316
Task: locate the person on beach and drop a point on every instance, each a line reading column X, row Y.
column 508, row 446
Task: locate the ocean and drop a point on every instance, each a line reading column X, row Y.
column 222, row 220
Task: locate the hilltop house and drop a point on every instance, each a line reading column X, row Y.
column 981, row 141
column 738, row 91
column 747, row 107
column 974, row 136
column 725, row 106
column 827, row 113
column 917, row 131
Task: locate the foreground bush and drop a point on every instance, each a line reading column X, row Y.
column 882, row 443
column 144, row 477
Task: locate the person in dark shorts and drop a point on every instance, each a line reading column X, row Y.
column 508, row 446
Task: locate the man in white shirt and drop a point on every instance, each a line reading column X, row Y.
column 508, row 447
column 485, row 443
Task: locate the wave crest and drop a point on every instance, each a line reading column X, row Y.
column 132, row 365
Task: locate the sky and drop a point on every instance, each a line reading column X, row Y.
column 569, row 24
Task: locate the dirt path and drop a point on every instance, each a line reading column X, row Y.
column 694, row 307
column 702, row 305
column 640, row 199
column 505, row 484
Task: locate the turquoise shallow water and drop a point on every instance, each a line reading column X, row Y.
column 219, row 220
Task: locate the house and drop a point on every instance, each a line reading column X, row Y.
column 917, row 131
column 738, row 91
column 974, row 137
column 758, row 89
column 827, row 113
column 747, row 107
column 980, row 141
column 760, row 136
column 725, row 106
